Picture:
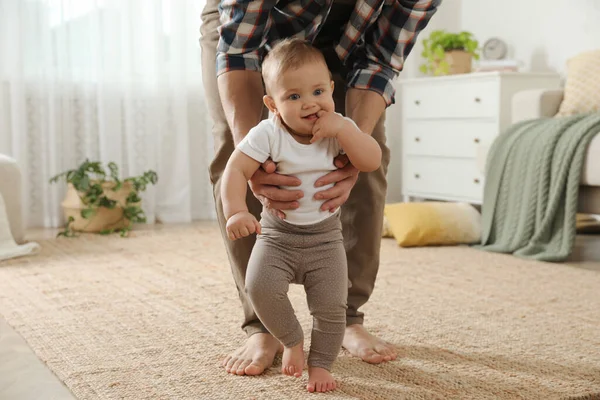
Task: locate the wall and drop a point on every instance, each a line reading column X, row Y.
column 541, row 42
column 543, row 34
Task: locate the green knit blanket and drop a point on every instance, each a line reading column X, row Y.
column 531, row 190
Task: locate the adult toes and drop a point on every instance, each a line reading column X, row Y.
column 234, row 366
column 231, row 364
column 241, row 368
column 254, row 369
column 387, row 351
column 371, row 356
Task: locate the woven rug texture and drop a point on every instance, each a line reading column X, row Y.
column 152, row 316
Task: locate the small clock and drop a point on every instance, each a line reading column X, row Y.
column 494, row 49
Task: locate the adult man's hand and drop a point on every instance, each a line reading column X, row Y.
column 344, row 179
column 265, row 184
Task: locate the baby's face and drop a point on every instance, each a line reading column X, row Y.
column 300, row 93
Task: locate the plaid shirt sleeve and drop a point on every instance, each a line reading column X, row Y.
column 388, row 45
column 243, row 29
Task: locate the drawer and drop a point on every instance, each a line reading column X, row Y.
column 447, row 138
column 443, row 177
column 448, row 99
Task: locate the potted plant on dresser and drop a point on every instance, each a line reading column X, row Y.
column 449, row 53
column 97, row 201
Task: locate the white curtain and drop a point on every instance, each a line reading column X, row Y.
column 106, row 80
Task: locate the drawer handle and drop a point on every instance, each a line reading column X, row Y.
column 417, row 102
column 417, row 176
column 417, row 139
column 476, row 140
column 477, row 100
column 476, row 180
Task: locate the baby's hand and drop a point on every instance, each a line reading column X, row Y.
column 241, row 225
column 329, row 124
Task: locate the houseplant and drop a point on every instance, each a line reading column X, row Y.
column 449, row 53
column 97, row 201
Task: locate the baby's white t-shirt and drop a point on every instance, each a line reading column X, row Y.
column 307, row 162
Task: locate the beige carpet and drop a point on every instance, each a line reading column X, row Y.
column 152, row 316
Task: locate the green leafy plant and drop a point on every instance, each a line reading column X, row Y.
column 439, row 43
column 92, row 183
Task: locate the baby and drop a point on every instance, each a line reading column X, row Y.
column 303, row 138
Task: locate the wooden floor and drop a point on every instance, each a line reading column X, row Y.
column 24, row 377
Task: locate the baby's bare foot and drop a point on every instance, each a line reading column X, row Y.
column 292, row 362
column 320, row 380
column 254, row 356
column 371, row 349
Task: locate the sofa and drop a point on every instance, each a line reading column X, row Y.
column 539, row 103
column 580, row 95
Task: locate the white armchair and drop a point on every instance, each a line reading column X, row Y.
column 10, row 189
column 537, row 103
column 540, row 103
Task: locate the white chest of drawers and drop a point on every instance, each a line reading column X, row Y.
column 444, row 119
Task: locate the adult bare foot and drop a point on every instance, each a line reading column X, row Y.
column 292, row 362
column 371, row 349
column 320, row 380
column 256, row 355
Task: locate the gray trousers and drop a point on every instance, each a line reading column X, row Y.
column 362, row 214
column 310, row 255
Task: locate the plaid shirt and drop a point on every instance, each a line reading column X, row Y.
column 379, row 35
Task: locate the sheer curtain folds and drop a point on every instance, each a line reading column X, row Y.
column 108, row 80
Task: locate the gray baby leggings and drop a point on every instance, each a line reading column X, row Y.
column 309, row 255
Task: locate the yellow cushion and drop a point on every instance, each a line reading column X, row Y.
column 386, row 231
column 433, row 223
column 582, row 89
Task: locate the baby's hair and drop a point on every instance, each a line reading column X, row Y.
column 286, row 55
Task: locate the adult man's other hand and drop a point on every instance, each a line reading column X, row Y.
column 266, row 185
